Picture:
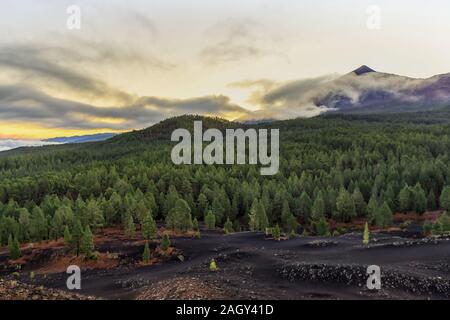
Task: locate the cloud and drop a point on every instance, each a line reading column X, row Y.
column 22, row 103
column 8, row 144
column 206, row 105
column 143, row 24
column 80, row 64
column 32, row 63
column 93, row 51
column 295, row 92
column 43, row 68
column 310, row 97
column 234, row 40
column 284, row 100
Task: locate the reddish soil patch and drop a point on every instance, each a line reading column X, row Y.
column 60, row 264
column 109, row 234
column 399, row 218
column 415, row 217
column 117, row 233
column 49, row 244
column 357, row 224
column 176, row 234
column 114, row 247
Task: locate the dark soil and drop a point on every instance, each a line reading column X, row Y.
column 254, row 267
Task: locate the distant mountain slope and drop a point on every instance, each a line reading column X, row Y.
column 362, row 70
column 139, row 140
column 164, row 129
column 365, row 90
column 82, row 139
column 130, row 141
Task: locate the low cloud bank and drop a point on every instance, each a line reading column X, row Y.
column 8, row 144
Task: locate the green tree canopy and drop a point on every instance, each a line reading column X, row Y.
column 179, row 217
column 345, row 206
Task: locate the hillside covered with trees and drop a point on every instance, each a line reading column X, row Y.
column 340, row 167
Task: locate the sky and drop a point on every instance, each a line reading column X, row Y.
column 136, row 62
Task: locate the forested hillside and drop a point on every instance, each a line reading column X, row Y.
column 338, row 166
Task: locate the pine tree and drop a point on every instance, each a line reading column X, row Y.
column 292, row 225
column 267, row 204
column 305, row 206
column 142, row 211
column 318, row 208
column 228, row 226
column 80, row 211
column 87, row 243
column 146, row 254
column 372, row 208
column 68, row 241
column 405, row 199
column 444, row 200
column 366, row 234
column 262, row 219
column 210, row 220
column 165, row 242
column 427, row 228
column 213, row 266
column 360, row 204
column 115, row 201
column 179, row 217
column 431, row 201
column 195, row 225
column 390, row 198
column 77, row 235
column 321, row 227
column 234, row 211
column 14, row 248
column 330, row 200
column 94, row 215
column 442, row 224
column 149, row 229
column 24, row 224
column 276, row 232
column 445, row 222
column 202, row 205
column 252, row 223
column 383, row 216
column 130, row 228
column 38, row 225
column 170, row 199
column 345, row 207
column 437, row 228
column 258, row 217
column 150, row 202
column 277, row 203
column 420, row 199
column 319, row 222
column 218, row 210
column 56, row 226
column 285, row 214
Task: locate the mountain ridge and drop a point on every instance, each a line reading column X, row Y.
column 362, row 70
column 162, row 130
column 365, row 90
column 81, row 138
